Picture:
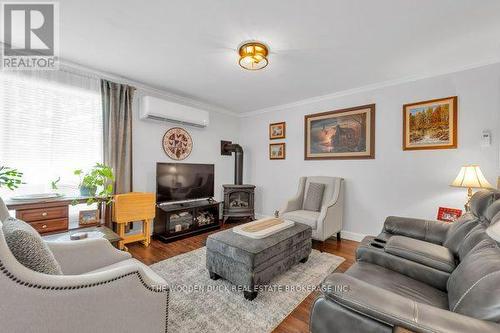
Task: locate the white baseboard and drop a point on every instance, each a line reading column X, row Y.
column 349, row 235
column 354, row 236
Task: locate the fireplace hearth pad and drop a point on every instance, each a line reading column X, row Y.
column 239, row 201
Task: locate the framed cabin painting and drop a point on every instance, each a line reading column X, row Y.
column 430, row 124
column 341, row 134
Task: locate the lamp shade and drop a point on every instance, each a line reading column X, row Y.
column 470, row 176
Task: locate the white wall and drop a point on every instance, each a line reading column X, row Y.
column 412, row 183
column 147, row 147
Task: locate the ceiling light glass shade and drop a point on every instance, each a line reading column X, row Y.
column 253, row 56
column 470, row 176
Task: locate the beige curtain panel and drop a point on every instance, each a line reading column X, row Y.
column 117, row 102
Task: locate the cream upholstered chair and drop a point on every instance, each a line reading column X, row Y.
column 102, row 289
column 328, row 220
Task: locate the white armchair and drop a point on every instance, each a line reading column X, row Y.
column 102, row 289
column 326, row 222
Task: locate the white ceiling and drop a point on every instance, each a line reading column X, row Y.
column 318, row 47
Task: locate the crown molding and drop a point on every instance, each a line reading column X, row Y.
column 91, row 72
column 369, row 87
column 83, row 70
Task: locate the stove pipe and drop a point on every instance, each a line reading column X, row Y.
column 238, row 161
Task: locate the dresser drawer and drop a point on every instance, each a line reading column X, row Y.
column 41, row 214
column 50, row 225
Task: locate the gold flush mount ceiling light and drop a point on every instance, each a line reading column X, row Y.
column 253, row 56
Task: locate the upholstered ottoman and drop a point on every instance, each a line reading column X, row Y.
column 249, row 263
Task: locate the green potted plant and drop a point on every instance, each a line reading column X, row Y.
column 97, row 183
column 10, row 178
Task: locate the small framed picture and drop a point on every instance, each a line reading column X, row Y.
column 89, row 217
column 277, row 151
column 277, row 131
column 448, row 214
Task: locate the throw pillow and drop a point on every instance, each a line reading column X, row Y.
column 4, row 212
column 28, row 247
column 314, row 197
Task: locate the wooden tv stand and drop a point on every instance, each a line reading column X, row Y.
column 180, row 220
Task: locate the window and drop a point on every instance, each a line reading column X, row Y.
column 50, row 125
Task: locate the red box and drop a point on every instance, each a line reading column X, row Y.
column 448, row 214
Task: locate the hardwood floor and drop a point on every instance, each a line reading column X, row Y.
column 298, row 320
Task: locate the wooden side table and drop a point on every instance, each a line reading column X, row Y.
column 133, row 207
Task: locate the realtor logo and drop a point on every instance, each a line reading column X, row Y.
column 30, row 34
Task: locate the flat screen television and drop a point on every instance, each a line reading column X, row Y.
column 183, row 181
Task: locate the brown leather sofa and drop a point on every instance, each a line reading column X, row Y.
column 423, row 276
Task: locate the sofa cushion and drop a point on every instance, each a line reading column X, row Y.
column 474, row 237
column 425, row 253
column 314, row 197
column 493, row 229
column 28, row 247
column 398, row 283
column 372, row 250
column 332, row 187
column 492, row 211
column 474, row 287
column 480, row 202
column 458, row 230
column 303, row 216
column 4, row 212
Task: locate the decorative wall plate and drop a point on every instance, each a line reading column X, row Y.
column 177, row 143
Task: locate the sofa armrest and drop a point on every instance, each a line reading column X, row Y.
column 82, row 256
column 65, row 303
column 425, row 253
column 429, row 231
column 395, row 310
column 372, row 251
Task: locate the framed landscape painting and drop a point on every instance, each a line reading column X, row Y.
column 277, row 131
column 430, row 124
column 341, row 134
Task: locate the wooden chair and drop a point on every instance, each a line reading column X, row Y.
column 132, row 207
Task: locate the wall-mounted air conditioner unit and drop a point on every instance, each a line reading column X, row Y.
column 162, row 110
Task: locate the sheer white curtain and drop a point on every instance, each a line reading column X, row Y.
column 50, row 124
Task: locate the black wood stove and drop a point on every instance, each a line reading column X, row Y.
column 238, row 198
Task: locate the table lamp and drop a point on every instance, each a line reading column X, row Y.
column 469, row 177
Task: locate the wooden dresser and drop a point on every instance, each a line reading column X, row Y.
column 46, row 216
